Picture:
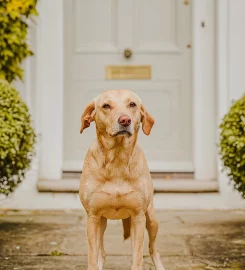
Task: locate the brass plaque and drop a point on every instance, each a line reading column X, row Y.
column 128, row 72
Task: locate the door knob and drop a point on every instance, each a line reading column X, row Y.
column 128, row 53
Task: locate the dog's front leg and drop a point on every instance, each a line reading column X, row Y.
column 93, row 233
column 138, row 224
column 101, row 243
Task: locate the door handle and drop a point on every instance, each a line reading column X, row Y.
column 128, row 53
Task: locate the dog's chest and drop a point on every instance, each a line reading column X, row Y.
column 119, row 199
column 117, row 188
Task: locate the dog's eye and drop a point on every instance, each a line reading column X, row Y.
column 106, row 106
column 132, row 104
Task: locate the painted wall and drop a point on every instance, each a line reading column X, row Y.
column 230, row 56
column 27, row 87
column 236, row 45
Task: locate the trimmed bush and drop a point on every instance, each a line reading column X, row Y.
column 13, row 36
column 232, row 144
column 17, row 138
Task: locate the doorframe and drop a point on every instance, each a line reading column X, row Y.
column 204, row 89
column 223, row 91
column 50, row 89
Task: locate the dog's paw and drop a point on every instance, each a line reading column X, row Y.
column 92, row 268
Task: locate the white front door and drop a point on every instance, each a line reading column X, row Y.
column 159, row 34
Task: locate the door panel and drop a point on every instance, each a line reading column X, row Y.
column 94, row 25
column 156, row 25
column 158, row 32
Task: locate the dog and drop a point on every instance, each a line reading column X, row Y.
column 115, row 181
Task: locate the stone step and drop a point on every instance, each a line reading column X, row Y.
column 161, row 175
column 160, row 185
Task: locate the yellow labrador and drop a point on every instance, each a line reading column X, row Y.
column 116, row 182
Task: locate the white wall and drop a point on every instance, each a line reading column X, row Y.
column 230, row 64
column 230, row 53
column 27, row 87
column 236, row 48
column 42, row 87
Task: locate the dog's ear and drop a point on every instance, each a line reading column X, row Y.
column 87, row 116
column 147, row 120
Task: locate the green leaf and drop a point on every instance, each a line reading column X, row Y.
column 13, row 36
column 17, row 138
column 232, row 144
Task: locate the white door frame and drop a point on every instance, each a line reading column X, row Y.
column 224, row 99
column 49, row 88
column 204, row 90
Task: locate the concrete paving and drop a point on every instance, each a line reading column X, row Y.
column 194, row 239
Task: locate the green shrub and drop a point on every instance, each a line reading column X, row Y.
column 17, row 138
column 232, row 144
column 13, row 36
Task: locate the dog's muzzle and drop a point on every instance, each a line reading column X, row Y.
column 124, row 120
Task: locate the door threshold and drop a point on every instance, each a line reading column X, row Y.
column 154, row 175
column 160, row 185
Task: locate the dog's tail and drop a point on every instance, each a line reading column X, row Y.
column 126, row 228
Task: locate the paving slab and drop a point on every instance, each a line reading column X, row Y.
column 186, row 240
column 80, row 263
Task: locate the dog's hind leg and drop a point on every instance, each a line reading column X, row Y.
column 101, row 258
column 152, row 228
column 126, row 228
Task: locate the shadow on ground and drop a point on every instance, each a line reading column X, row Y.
column 186, row 240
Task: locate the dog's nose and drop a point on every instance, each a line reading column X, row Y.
column 124, row 120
